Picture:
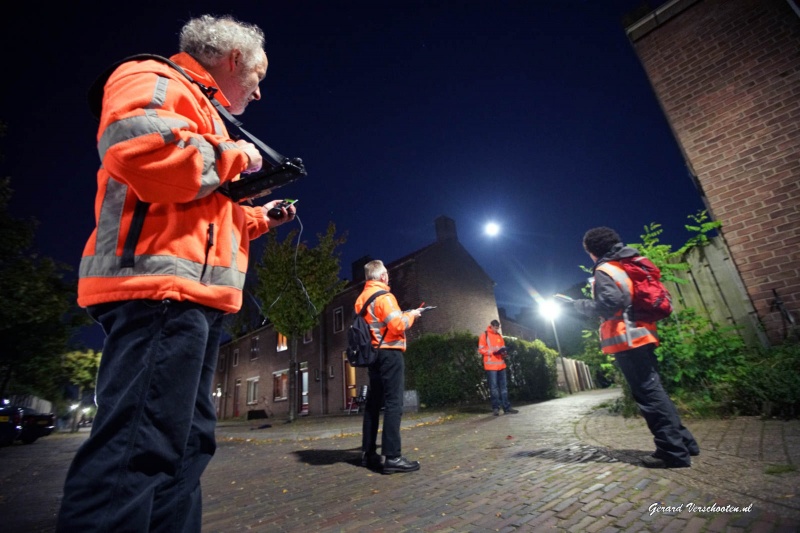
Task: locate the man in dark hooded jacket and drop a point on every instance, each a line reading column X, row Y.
column 633, row 343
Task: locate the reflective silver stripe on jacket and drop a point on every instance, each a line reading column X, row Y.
column 619, row 275
column 105, row 262
column 149, row 123
column 377, row 326
column 631, row 334
column 106, row 266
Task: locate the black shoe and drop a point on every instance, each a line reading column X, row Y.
column 656, row 462
column 510, row 411
column 399, row 464
column 370, row 460
column 496, row 412
column 692, row 452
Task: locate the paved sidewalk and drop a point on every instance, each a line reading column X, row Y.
column 561, row 465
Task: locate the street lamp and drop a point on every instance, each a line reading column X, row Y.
column 550, row 310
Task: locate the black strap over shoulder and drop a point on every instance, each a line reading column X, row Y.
column 277, row 172
column 370, row 300
column 366, row 306
column 95, row 97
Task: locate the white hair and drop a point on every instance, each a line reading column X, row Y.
column 374, row 269
column 209, row 39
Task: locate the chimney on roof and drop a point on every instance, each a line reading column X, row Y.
column 358, row 268
column 445, row 229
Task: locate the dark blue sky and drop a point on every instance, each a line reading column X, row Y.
column 534, row 114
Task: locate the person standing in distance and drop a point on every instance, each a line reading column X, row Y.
column 633, row 346
column 165, row 263
column 493, row 349
column 388, row 325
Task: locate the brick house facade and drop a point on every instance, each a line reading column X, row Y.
column 727, row 76
column 253, row 371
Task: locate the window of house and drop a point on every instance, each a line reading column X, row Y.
column 281, row 342
column 253, row 348
column 338, row 320
column 221, row 363
column 308, row 336
column 236, row 357
column 280, row 385
column 252, row 391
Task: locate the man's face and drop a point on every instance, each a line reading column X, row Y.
column 496, row 328
column 239, row 84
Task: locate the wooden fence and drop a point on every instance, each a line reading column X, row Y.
column 578, row 375
column 715, row 289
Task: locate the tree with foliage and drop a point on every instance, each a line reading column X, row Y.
column 295, row 283
column 80, row 370
column 37, row 312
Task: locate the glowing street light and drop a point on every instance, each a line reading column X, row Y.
column 492, row 229
column 550, row 309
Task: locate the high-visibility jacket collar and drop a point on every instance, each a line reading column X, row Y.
column 200, row 74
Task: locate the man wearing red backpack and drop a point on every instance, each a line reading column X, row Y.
column 632, row 342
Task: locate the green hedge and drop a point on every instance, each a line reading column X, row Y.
column 447, row 370
column 708, row 371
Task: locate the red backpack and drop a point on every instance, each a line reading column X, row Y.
column 651, row 300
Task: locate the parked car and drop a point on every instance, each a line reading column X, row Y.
column 35, row 425
column 24, row 424
column 10, row 424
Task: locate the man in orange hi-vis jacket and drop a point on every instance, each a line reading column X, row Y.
column 388, row 324
column 633, row 342
column 493, row 349
column 165, row 263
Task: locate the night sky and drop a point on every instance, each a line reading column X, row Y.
column 534, row 114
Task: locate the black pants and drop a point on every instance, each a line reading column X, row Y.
column 386, row 383
column 673, row 441
column 153, row 434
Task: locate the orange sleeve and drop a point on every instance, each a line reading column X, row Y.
column 159, row 135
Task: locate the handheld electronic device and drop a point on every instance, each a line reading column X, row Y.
column 276, row 212
column 263, row 182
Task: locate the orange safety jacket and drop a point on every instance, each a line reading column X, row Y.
column 162, row 231
column 488, row 343
column 387, row 323
column 618, row 334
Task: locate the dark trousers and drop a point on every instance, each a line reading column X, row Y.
column 386, row 383
column 154, row 431
column 498, row 389
column 673, row 441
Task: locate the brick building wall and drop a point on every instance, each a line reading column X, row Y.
column 727, row 75
column 441, row 274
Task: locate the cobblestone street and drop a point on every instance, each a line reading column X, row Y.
column 561, row 465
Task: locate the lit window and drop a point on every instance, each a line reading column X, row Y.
column 236, row 357
column 281, row 342
column 252, row 391
column 308, row 336
column 280, row 385
column 338, row 320
column 253, row 348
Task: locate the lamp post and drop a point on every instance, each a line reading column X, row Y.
column 550, row 310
